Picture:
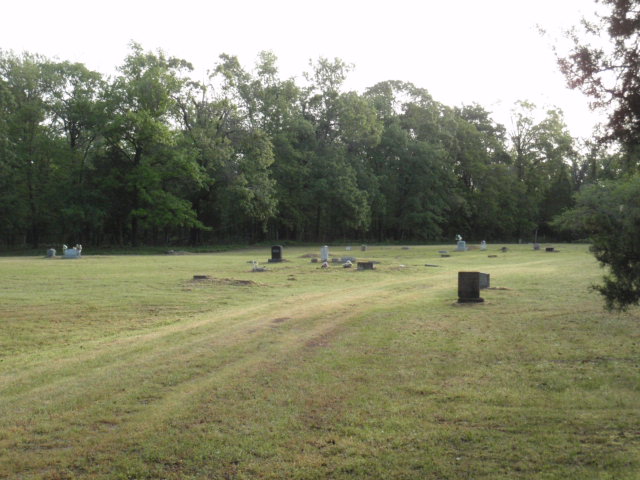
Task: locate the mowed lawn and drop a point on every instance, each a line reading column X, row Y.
column 125, row 367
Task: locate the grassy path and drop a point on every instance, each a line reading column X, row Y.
column 301, row 373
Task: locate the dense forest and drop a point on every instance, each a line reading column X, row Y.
column 150, row 156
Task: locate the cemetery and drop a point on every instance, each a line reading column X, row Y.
column 193, row 366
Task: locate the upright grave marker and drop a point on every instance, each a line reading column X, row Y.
column 75, row 252
column 461, row 245
column 469, row 287
column 276, row 254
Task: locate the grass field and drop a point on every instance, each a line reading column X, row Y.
column 124, row 367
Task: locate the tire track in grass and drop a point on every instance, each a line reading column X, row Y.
column 84, row 403
column 228, row 324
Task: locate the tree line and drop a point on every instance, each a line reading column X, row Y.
column 150, row 156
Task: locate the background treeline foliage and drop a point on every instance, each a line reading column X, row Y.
column 152, row 157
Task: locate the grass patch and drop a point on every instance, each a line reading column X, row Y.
column 126, row 367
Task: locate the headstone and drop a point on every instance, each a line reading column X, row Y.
column 325, row 265
column 462, row 246
column 276, row 254
column 445, row 255
column 324, row 254
column 504, row 249
column 549, row 249
column 363, row 248
column 348, row 249
column 75, row 252
column 469, row 287
column 365, row 266
column 536, row 246
column 257, row 268
column 483, row 245
column 347, row 264
column 485, row 280
column 51, row 253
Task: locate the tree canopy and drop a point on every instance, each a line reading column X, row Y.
column 604, row 62
column 151, row 156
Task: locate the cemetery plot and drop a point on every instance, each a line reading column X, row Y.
column 146, row 372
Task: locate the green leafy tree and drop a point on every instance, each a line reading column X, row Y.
column 542, row 152
column 30, row 150
column 411, row 164
column 142, row 165
column 233, row 151
column 76, row 115
column 609, row 213
column 608, row 70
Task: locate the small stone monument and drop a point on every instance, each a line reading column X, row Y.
column 485, row 280
column 483, row 245
column 324, row 254
column 75, row 252
column 363, row 248
column 469, row 287
column 276, row 254
column 549, row 249
column 365, row 266
column 51, row 253
column 536, row 246
column 462, row 245
column 255, row 267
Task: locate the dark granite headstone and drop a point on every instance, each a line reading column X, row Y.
column 469, row 287
column 276, row 254
column 365, row 266
column 549, row 249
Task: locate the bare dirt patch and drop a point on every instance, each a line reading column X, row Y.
column 280, row 320
column 205, row 279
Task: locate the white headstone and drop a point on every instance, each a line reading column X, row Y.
column 75, row 252
column 483, row 245
column 324, row 254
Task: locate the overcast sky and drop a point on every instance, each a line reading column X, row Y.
column 464, row 51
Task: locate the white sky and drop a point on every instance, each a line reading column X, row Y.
column 462, row 51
